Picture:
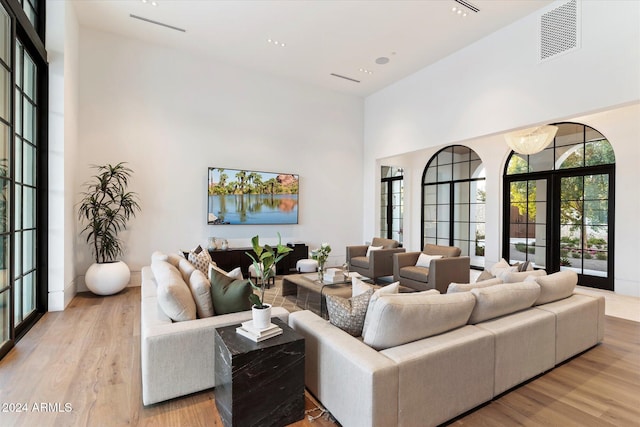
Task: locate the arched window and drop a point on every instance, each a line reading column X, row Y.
column 559, row 205
column 453, row 202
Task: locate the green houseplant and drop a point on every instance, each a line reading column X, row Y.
column 264, row 258
column 105, row 208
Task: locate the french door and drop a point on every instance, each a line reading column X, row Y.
column 391, row 203
column 563, row 220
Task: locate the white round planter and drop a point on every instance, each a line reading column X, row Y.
column 261, row 316
column 107, row 278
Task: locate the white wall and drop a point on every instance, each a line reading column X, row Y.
column 171, row 115
column 496, row 85
column 62, row 50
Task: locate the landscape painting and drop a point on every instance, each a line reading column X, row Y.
column 250, row 197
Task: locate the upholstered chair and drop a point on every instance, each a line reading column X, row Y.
column 439, row 273
column 373, row 263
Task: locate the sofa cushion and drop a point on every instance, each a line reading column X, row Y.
column 229, row 295
column 236, row 273
column 556, row 286
column 201, row 293
column 385, row 243
column 412, row 272
column 174, row 296
column 498, row 300
column 445, row 251
column 424, row 260
column 186, row 268
column 402, row 318
column 200, row 259
column 485, row 275
column 520, row 276
column 465, row 287
column 501, row 267
column 359, row 287
column 348, row 314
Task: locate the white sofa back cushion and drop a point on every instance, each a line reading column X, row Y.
column 402, row 318
column 556, row 286
column 465, row 287
column 498, row 300
column 201, row 293
column 521, row 276
column 174, row 296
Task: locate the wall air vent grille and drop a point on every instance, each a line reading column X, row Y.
column 559, row 31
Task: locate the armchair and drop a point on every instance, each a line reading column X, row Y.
column 442, row 271
column 379, row 263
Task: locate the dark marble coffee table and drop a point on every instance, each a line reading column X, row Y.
column 259, row 384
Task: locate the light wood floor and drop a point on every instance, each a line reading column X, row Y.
column 88, row 358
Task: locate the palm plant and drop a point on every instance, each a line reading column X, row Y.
column 106, row 206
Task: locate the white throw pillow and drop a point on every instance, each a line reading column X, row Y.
column 359, row 287
column 201, row 292
column 402, row 318
column 465, row 287
column 372, row 248
column 499, row 267
column 236, row 273
column 424, row 260
column 556, row 286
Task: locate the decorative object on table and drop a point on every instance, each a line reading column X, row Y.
column 345, row 269
column 106, row 206
column 249, row 330
column 321, row 254
column 333, row 275
column 265, row 258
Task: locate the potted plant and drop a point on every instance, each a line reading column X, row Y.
column 264, row 259
column 321, row 255
column 106, row 206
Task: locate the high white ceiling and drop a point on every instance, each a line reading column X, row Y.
column 322, row 36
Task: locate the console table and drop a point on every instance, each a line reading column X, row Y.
column 228, row 259
column 259, row 384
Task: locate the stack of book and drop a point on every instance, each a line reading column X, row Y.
column 248, row 330
column 333, row 275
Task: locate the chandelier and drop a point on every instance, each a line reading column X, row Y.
column 531, row 140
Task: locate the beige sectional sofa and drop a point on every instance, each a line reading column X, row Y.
column 474, row 346
column 177, row 358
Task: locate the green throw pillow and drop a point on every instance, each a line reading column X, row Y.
column 229, row 295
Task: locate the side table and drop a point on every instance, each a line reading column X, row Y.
column 259, row 384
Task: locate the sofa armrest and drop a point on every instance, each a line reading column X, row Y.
column 443, row 271
column 166, row 372
column 354, row 251
column 357, row 384
column 403, row 259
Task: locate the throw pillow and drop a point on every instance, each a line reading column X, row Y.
column 402, row 318
column 201, row 292
column 465, row 287
column 499, row 267
column 498, row 300
column 200, row 259
column 520, row 276
column 391, row 289
column 424, row 260
column 236, row 273
column 372, row 248
column 485, row 275
column 556, row 286
column 359, row 287
column 174, row 296
column 348, row 314
column 229, row 295
column 186, row 268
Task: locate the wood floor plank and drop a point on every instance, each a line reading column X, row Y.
column 89, row 357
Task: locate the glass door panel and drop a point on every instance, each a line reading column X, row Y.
column 527, row 222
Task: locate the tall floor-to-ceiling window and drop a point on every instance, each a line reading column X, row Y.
column 559, row 206
column 391, row 203
column 453, row 202
column 23, row 159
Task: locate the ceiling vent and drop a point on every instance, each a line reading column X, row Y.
column 559, row 31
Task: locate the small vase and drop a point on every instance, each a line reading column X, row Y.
column 320, row 271
column 261, row 316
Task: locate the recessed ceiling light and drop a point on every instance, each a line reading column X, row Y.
column 276, row 42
